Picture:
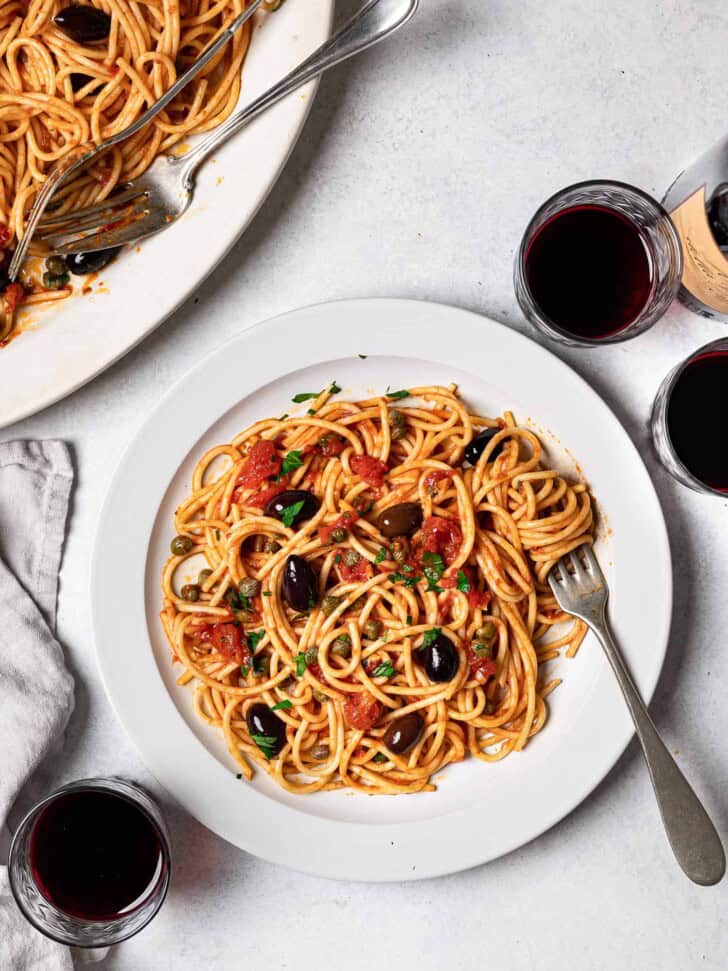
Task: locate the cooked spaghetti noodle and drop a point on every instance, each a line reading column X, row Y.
column 56, row 94
column 318, row 697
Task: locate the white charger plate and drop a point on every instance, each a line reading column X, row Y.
column 65, row 345
column 479, row 811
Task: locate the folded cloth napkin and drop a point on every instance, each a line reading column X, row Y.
column 36, row 689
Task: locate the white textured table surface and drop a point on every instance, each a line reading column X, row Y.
column 419, row 167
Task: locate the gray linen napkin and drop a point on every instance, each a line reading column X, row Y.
column 36, row 689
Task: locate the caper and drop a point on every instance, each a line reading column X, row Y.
column 398, row 433
column 339, row 535
column 320, row 752
column 342, row 646
column 372, row 629
column 489, row 707
column 244, row 616
column 51, row 281
column 329, row 604
column 351, row 557
column 359, row 603
column 249, row 587
column 191, row 592
column 271, row 546
column 319, row 695
column 203, row 575
column 486, row 633
column 397, row 418
column 400, row 549
column 262, row 664
column 231, row 598
column 181, row 545
column 56, row 265
column 311, row 656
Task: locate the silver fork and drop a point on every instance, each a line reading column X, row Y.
column 157, row 199
column 692, row 836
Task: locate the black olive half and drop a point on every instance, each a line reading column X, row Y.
column 83, row 24
column 79, row 81
column 476, row 447
column 290, row 497
column 402, row 520
column 266, row 729
column 403, row 733
column 300, row 584
column 440, row 659
column 82, row 263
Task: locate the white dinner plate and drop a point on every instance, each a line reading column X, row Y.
column 65, row 345
column 478, row 811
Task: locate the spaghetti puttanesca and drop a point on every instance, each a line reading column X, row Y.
column 56, row 94
column 411, row 651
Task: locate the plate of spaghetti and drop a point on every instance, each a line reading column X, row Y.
column 76, row 73
column 337, row 579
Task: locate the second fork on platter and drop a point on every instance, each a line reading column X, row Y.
column 157, row 199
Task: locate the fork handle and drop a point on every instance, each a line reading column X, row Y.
column 693, row 838
column 376, row 20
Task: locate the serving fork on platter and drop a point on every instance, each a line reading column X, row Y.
column 580, row 589
column 164, row 192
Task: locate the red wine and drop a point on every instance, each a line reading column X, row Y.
column 95, row 854
column 697, row 400
column 589, row 271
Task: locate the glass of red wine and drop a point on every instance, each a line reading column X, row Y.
column 90, row 864
column 600, row 262
column 688, row 405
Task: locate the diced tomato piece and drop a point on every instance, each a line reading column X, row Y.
column 4, row 235
column 433, row 479
column 262, row 498
column 361, row 571
column 479, row 599
column 481, row 668
column 369, row 469
column 346, row 520
column 362, row 711
column 228, row 640
column 14, row 295
column 330, row 445
column 442, row 536
column 263, row 463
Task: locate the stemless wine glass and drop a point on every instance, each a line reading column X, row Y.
column 98, row 930
column 643, row 218
column 689, row 402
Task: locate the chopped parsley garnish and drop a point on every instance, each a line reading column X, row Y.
column 409, row 582
column 363, row 356
column 254, row 638
column 337, row 558
column 300, row 660
column 381, row 555
column 239, row 775
column 243, row 601
column 283, row 417
column 311, row 411
column 285, row 704
column 397, row 395
column 267, row 593
column 409, row 619
column 244, row 670
column 463, row 582
column 433, row 568
column 291, row 461
column 380, row 757
column 266, row 743
column 431, row 636
column 305, row 396
column 289, row 514
column 383, row 670
column 386, row 636
column 334, row 389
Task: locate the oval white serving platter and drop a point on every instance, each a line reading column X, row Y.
column 479, row 811
column 64, row 346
